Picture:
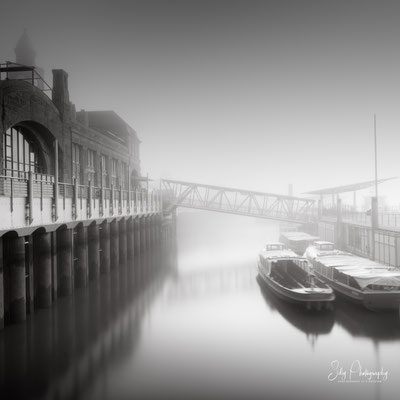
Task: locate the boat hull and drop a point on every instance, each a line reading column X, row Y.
column 375, row 301
column 307, row 300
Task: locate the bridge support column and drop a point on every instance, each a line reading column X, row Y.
column 94, row 252
column 105, row 248
column 130, row 239
column 122, row 241
column 114, row 244
column 64, row 261
column 1, row 286
column 136, row 236
column 42, row 269
column 81, row 266
column 16, row 260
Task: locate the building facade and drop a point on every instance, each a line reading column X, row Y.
column 71, row 203
column 97, row 146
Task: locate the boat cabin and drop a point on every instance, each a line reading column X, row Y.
column 297, row 241
column 324, row 246
column 275, row 246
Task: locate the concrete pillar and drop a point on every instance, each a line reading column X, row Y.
column 122, row 241
column 105, row 248
column 148, row 231
column 16, row 261
column 81, row 257
column 142, row 235
column 42, row 269
column 114, row 244
column 94, row 252
column 1, row 286
column 152, row 223
column 130, row 239
column 155, row 222
column 30, row 284
column 158, row 229
column 64, row 261
column 136, row 236
column 54, row 276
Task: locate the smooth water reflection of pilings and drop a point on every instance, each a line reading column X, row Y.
column 39, row 268
column 59, row 352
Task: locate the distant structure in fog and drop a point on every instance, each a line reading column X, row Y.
column 26, row 55
column 96, row 146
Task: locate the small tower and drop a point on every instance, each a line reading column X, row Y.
column 26, row 55
column 24, row 52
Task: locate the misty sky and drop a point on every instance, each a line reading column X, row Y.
column 238, row 93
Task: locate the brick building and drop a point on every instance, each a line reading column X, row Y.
column 96, row 146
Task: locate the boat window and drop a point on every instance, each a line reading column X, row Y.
column 383, row 287
column 325, row 246
column 274, row 247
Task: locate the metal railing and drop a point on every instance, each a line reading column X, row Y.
column 98, row 201
column 385, row 218
column 14, row 71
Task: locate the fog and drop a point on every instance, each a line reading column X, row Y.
column 252, row 94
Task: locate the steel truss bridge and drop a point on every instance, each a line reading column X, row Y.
column 236, row 201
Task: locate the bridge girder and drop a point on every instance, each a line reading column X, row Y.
column 236, row 201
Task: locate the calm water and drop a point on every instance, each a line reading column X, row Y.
column 197, row 324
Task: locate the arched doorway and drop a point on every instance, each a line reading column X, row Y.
column 22, row 152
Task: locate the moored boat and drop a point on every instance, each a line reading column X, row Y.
column 288, row 276
column 366, row 282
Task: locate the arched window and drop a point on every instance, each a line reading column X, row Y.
column 21, row 153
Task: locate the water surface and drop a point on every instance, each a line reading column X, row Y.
column 198, row 324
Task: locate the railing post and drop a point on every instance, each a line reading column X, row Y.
column 101, row 205
column 30, row 198
column 12, row 195
column 41, row 194
column 75, row 200
column 128, row 206
column 112, row 199
column 55, row 199
column 120, row 200
column 64, row 195
column 90, row 209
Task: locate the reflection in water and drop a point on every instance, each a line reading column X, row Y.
column 312, row 323
column 360, row 322
column 196, row 325
column 61, row 351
